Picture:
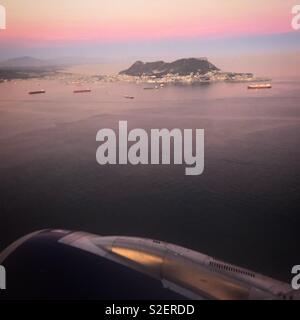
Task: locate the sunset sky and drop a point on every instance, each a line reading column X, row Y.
column 83, row 20
column 135, row 27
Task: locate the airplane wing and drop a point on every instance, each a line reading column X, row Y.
column 128, row 268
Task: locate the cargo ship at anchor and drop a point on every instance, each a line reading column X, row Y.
column 37, row 92
column 82, row 91
column 260, row 86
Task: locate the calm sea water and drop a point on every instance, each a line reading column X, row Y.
column 243, row 209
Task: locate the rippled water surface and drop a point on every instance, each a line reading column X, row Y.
column 243, row 209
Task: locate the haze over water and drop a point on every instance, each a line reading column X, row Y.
column 243, row 209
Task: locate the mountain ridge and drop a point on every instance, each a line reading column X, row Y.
column 182, row 67
column 24, row 61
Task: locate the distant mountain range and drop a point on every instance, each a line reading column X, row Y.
column 181, row 67
column 26, row 68
column 30, row 62
column 22, row 62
